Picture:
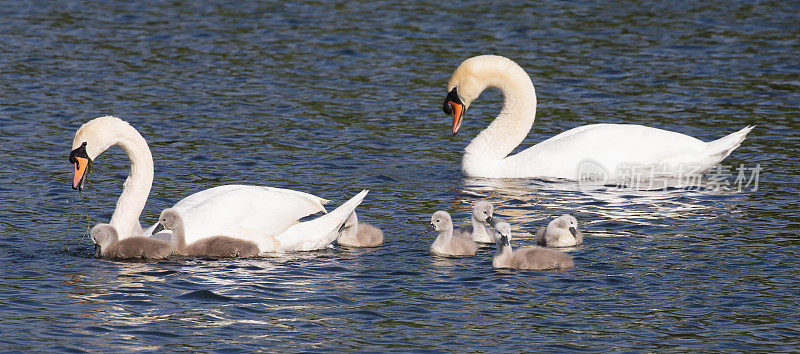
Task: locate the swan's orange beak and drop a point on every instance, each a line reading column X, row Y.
column 82, row 164
column 452, row 105
column 458, row 116
column 81, row 169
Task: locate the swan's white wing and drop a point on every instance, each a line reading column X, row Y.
column 610, row 146
column 224, row 210
column 315, row 203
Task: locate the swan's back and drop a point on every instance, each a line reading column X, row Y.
column 222, row 247
column 539, row 258
column 463, row 232
column 369, row 236
column 139, row 247
column 637, row 142
column 360, row 235
column 461, row 247
column 608, row 145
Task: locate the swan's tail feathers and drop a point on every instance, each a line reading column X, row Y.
column 714, row 152
column 719, row 149
column 320, row 232
column 723, row 147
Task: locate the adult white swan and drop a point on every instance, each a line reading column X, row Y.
column 267, row 216
column 610, row 147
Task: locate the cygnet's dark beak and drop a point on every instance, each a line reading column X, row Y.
column 159, row 228
column 573, row 231
column 431, row 227
column 491, row 221
column 97, row 251
column 504, row 240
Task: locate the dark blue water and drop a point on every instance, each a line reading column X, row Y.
column 330, row 98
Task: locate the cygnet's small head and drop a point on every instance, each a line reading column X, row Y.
column 440, row 221
column 503, row 235
column 103, row 236
column 568, row 222
column 482, row 211
column 168, row 220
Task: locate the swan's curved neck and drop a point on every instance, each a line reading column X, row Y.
column 137, row 186
column 515, row 120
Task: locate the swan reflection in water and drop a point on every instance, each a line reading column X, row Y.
column 530, row 203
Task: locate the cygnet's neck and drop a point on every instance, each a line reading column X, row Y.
column 179, row 238
column 105, row 247
column 516, row 118
column 502, row 258
column 446, row 234
column 442, row 242
column 478, row 229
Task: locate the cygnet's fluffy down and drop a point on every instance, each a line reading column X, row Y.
column 479, row 229
column 215, row 246
column 560, row 232
column 529, row 258
column 359, row 234
column 108, row 245
column 445, row 244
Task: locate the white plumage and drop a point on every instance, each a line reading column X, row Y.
column 609, row 147
column 267, row 216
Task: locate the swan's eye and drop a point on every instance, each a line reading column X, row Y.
column 79, row 151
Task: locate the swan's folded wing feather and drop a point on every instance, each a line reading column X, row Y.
column 225, row 209
column 629, row 143
column 610, row 146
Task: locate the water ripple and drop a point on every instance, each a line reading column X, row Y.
column 330, row 98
